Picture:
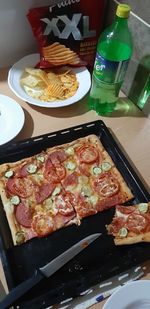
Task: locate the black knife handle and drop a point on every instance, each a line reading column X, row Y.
column 20, row 290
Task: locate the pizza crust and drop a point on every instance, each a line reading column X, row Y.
column 9, row 210
column 78, row 142
column 125, row 192
column 133, row 240
column 13, row 165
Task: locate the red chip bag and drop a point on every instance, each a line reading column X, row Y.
column 67, row 33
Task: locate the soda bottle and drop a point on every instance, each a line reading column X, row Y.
column 114, row 50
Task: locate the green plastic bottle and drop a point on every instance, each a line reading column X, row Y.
column 114, row 50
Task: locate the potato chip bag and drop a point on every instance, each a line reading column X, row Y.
column 67, row 33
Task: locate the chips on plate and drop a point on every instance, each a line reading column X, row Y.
column 49, row 85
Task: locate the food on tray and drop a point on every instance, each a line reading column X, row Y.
column 59, row 187
column 66, row 32
column 131, row 224
column 49, row 85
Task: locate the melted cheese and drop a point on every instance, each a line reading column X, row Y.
column 121, row 215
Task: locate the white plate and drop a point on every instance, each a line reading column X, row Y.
column 82, row 74
column 133, row 295
column 11, row 119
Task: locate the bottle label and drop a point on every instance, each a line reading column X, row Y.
column 109, row 71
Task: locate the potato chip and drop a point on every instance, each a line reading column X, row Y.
column 58, row 54
column 34, row 72
column 38, row 73
column 34, row 93
column 55, row 90
column 32, row 81
column 52, row 77
column 49, row 86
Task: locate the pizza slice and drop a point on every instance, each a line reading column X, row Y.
column 131, row 224
column 33, row 198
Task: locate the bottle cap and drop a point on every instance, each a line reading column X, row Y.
column 123, row 10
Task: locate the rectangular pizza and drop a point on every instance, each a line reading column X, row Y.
column 59, row 187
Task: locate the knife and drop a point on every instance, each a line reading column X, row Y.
column 46, row 271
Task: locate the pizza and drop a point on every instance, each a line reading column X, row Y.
column 131, row 224
column 59, row 187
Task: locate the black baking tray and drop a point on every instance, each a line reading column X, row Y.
column 98, row 262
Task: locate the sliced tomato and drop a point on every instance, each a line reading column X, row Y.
column 87, row 154
column 58, row 156
column 22, row 187
column 71, row 180
column 116, row 225
column 44, row 192
column 63, row 205
column 136, row 223
column 23, row 215
column 106, row 185
column 43, row 224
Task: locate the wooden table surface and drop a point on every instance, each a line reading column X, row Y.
column 128, row 124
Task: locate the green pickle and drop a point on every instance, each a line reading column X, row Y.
column 114, row 50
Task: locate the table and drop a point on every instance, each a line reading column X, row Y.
column 128, row 124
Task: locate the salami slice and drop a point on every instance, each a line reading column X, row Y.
column 22, row 172
column 116, row 225
column 71, row 180
column 23, row 215
column 44, row 192
column 57, row 157
column 60, row 171
column 126, row 210
column 107, row 203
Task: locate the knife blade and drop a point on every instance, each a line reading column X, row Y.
column 46, row 271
